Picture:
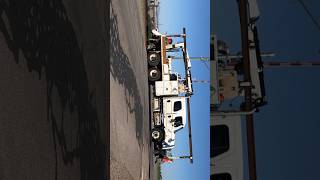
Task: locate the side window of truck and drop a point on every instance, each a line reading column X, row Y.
column 177, row 106
column 221, row 176
column 220, row 143
column 177, row 121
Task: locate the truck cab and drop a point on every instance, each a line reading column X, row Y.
column 174, row 119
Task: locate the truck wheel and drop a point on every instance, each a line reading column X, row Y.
column 159, row 153
column 157, row 134
column 154, row 74
column 153, row 59
column 156, row 152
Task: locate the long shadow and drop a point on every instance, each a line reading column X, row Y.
column 121, row 70
column 41, row 31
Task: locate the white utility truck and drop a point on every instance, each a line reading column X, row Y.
column 171, row 98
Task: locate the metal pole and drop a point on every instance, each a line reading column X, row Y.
column 247, row 78
column 233, row 113
column 291, row 64
column 279, row 64
column 264, row 54
column 190, row 133
column 179, row 157
column 188, row 99
column 193, row 58
column 174, row 35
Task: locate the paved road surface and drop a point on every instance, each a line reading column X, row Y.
column 130, row 127
column 53, row 89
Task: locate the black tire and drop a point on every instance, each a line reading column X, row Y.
column 159, row 153
column 154, row 74
column 151, row 46
column 153, row 59
column 157, row 135
column 156, row 152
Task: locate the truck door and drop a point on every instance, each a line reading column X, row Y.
column 177, row 118
column 174, row 112
column 172, row 107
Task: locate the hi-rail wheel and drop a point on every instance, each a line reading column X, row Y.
column 153, row 58
column 154, row 74
column 157, row 134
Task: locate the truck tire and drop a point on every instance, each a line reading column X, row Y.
column 154, row 74
column 151, row 46
column 156, row 152
column 159, row 153
column 157, row 134
column 153, row 59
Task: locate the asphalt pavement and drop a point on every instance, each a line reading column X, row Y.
column 129, row 93
column 53, row 89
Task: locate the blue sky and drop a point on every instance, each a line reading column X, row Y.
column 288, row 127
column 194, row 15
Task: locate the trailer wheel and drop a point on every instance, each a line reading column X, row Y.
column 153, row 59
column 157, row 134
column 154, row 74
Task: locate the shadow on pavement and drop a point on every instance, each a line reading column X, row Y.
column 40, row 31
column 121, row 70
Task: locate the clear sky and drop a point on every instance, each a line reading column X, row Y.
column 287, row 129
column 194, row 15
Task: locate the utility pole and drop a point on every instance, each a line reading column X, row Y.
column 281, row 64
column 271, row 64
column 243, row 12
column 192, row 58
column 188, row 75
column 264, row 54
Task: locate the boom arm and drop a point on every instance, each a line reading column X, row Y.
column 189, row 88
